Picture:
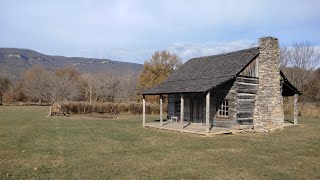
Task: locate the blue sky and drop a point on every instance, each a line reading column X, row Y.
column 131, row 30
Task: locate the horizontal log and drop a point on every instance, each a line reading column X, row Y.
column 247, row 100
column 244, row 114
column 251, row 84
column 248, row 80
column 246, row 104
column 245, row 121
column 245, row 109
column 247, row 86
column 244, row 118
column 247, row 96
column 249, row 91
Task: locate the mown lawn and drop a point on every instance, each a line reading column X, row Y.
column 33, row 146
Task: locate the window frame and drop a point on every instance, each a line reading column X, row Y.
column 223, row 109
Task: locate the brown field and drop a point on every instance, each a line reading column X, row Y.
column 33, row 146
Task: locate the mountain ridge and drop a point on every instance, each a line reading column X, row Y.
column 13, row 61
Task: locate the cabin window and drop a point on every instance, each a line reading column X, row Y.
column 223, row 109
column 177, row 105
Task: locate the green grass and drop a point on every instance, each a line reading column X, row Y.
column 33, row 146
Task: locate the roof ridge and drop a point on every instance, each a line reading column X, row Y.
column 201, row 78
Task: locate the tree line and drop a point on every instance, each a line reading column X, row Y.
column 39, row 84
column 300, row 63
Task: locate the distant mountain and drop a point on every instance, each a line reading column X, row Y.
column 14, row 61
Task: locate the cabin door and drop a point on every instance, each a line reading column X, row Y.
column 196, row 111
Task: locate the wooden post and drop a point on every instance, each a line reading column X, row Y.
column 50, row 111
column 207, row 112
column 0, row 99
column 161, row 119
column 295, row 109
column 181, row 112
column 144, row 110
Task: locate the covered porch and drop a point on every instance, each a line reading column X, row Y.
column 179, row 123
column 192, row 128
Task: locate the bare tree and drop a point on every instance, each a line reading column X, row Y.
column 41, row 84
column 299, row 63
column 4, row 83
column 101, row 87
column 284, row 57
column 128, row 87
column 37, row 83
column 14, row 91
column 87, row 85
column 305, row 56
column 312, row 92
column 107, row 85
column 68, row 80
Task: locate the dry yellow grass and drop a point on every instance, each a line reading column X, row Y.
column 33, row 146
column 305, row 109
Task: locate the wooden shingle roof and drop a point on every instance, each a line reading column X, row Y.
column 204, row 73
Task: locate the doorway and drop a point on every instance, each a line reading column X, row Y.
column 196, row 112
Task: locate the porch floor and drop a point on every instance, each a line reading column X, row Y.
column 194, row 128
column 198, row 128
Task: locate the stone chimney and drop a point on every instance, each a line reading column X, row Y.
column 268, row 112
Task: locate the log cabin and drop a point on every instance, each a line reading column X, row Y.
column 241, row 90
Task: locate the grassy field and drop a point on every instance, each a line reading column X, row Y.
column 33, row 146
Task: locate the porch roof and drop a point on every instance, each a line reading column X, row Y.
column 204, row 73
column 288, row 89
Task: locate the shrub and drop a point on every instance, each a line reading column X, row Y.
column 74, row 107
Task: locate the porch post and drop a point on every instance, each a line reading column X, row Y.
column 181, row 111
column 295, row 109
column 161, row 119
column 143, row 110
column 207, row 111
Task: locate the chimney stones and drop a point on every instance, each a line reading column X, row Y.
column 268, row 112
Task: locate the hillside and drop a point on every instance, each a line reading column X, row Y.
column 15, row 61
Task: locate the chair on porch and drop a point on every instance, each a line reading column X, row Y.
column 174, row 119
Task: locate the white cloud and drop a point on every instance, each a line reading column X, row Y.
column 135, row 55
column 190, row 50
column 185, row 50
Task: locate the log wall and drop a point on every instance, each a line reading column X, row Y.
column 227, row 91
column 247, row 90
column 240, row 94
